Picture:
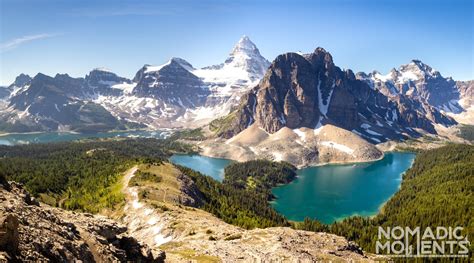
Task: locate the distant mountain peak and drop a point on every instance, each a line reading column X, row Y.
column 246, row 56
column 182, row 62
column 172, row 62
column 21, row 80
column 320, row 55
column 418, row 67
column 320, row 50
column 418, row 80
column 102, row 69
column 245, row 46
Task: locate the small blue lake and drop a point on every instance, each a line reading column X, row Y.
column 213, row 167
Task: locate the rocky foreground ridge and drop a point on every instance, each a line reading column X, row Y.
column 31, row 231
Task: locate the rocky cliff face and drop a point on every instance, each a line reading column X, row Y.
column 466, row 91
column 309, row 91
column 104, row 82
column 33, row 232
column 21, row 82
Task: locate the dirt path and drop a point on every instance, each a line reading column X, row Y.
column 128, row 175
column 144, row 222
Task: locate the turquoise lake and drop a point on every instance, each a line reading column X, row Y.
column 333, row 192
column 213, row 167
column 45, row 137
column 328, row 193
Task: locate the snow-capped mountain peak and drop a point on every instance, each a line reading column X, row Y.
column 102, row 76
column 245, row 55
column 183, row 63
column 244, row 66
column 173, row 62
column 102, row 69
column 419, row 80
column 416, row 70
column 244, row 46
column 228, row 81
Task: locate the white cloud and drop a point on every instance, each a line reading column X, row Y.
column 14, row 43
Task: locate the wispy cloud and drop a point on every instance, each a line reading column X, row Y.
column 14, row 43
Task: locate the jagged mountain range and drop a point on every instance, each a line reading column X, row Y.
column 293, row 91
column 171, row 95
column 310, row 91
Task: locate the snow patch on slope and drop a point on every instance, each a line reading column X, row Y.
column 337, row 146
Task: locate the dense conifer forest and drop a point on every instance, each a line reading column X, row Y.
column 467, row 132
column 259, row 176
column 247, row 209
column 80, row 175
column 438, row 190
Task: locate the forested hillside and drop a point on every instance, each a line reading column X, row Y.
column 242, row 198
column 438, row 190
column 467, row 132
column 85, row 176
column 80, row 175
column 247, row 209
column 259, row 176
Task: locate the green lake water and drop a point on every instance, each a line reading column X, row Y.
column 332, row 192
column 327, row 193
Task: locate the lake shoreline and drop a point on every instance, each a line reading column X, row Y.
column 210, row 155
column 371, row 185
column 284, row 198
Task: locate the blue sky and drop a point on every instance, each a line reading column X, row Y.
column 74, row 36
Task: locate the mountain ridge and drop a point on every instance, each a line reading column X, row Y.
column 177, row 95
column 304, row 91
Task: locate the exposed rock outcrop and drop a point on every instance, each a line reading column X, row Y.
column 466, row 91
column 30, row 231
column 190, row 194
